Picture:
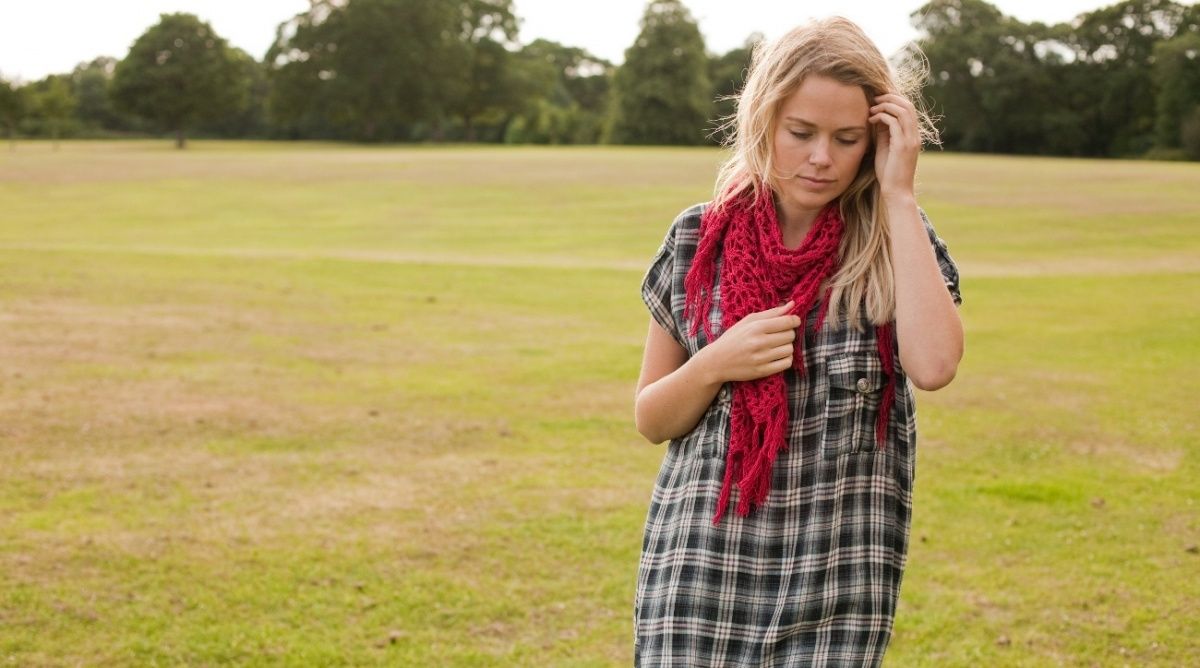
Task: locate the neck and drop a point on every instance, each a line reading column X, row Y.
column 794, row 221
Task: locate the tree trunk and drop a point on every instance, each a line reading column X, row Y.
column 180, row 141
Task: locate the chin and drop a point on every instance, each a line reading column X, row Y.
column 808, row 200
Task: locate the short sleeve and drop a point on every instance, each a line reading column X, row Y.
column 657, row 286
column 945, row 262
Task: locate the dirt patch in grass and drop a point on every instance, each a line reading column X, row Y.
column 1083, row 266
column 1093, row 266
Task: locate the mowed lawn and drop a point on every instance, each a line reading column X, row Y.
column 304, row 404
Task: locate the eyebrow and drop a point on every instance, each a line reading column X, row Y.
column 804, row 122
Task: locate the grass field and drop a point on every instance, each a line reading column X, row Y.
column 327, row 405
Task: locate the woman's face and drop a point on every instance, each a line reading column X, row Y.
column 821, row 136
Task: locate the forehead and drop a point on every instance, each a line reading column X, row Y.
column 825, row 102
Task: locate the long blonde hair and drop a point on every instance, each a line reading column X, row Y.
column 836, row 48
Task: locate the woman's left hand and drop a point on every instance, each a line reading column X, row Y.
column 897, row 143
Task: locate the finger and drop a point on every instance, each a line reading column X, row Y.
column 897, row 99
column 773, row 339
column 780, row 353
column 780, row 365
column 771, row 312
column 892, row 124
column 894, row 109
column 780, row 323
column 881, row 128
column 903, row 127
column 907, row 117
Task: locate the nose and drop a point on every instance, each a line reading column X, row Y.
column 820, row 154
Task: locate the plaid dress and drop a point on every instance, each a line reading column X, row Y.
column 811, row 578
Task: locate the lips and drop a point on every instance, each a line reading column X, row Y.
column 815, row 181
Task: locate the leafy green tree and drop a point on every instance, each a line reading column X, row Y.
column 1177, row 76
column 12, row 110
column 51, row 105
column 367, row 69
column 662, row 91
column 1083, row 88
column 961, row 39
column 493, row 87
column 249, row 118
column 1114, row 49
column 178, row 74
column 727, row 72
column 567, row 95
column 91, row 83
column 1189, row 132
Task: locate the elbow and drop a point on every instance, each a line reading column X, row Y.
column 932, row 381
column 932, row 374
column 640, row 423
column 936, row 376
column 652, row 433
column 651, row 436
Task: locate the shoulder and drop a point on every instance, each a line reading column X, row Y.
column 685, row 228
column 690, row 217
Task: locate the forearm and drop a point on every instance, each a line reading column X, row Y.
column 674, row 404
column 928, row 328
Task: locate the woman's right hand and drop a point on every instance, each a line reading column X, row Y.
column 758, row 345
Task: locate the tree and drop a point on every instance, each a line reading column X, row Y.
column 565, row 94
column 178, row 74
column 249, row 119
column 961, row 39
column 367, row 69
column 12, row 109
column 488, row 28
column 51, row 104
column 1115, row 50
column 661, row 92
column 727, row 72
column 91, row 83
column 1177, row 76
column 1189, row 132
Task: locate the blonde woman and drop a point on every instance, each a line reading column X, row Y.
column 789, row 315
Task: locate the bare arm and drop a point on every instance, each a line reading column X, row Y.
column 928, row 329
column 674, row 391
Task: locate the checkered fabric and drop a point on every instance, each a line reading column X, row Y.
column 812, row 577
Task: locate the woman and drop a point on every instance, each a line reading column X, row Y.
column 788, row 317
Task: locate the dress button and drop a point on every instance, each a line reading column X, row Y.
column 863, row 385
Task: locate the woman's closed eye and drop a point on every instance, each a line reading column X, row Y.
column 844, row 141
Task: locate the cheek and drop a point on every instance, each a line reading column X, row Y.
column 784, row 149
column 854, row 159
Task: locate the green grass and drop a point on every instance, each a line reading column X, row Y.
column 309, row 404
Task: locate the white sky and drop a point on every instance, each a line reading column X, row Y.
column 40, row 37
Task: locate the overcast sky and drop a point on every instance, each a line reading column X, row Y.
column 43, row 37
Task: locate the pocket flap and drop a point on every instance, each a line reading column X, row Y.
column 856, row 372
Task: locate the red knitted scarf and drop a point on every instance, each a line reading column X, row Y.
column 759, row 273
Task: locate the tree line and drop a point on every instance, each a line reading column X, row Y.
column 1120, row 81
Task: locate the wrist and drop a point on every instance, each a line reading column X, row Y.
column 706, row 371
column 897, row 197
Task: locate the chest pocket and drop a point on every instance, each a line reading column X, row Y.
column 855, row 387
